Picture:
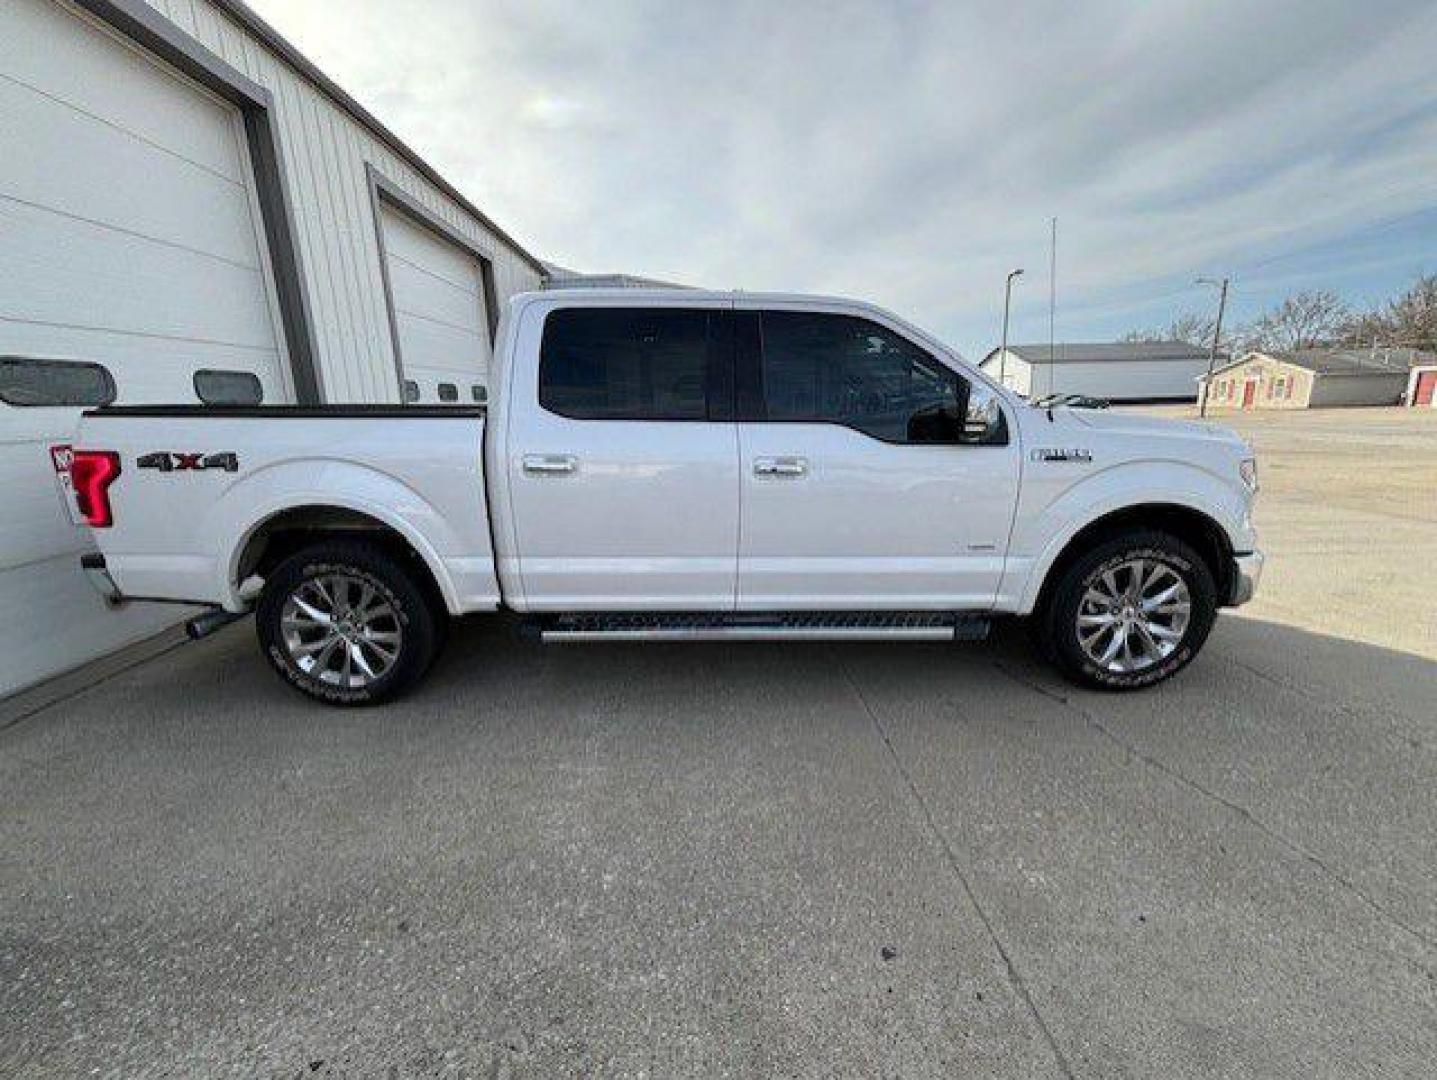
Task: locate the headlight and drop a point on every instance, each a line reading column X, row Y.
column 1247, row 469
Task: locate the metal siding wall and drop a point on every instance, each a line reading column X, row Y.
column 325, row 152
column 1118, row 380
column 1017, row 373
column 1022, row 376
column 1376, row 390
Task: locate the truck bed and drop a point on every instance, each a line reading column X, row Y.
column 197, row 482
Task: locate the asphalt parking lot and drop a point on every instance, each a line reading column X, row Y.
column 749, row 860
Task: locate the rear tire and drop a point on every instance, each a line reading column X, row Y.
column 347, row 623
column 1130, row 613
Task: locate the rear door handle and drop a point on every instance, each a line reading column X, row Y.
column 550, row 464
column 780, row 466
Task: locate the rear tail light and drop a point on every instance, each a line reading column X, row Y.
column 92, row 472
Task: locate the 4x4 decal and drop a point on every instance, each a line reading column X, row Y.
column 176, row 461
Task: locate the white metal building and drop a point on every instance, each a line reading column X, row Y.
column 1123, row 371
column 190, row 211
column 561, row 277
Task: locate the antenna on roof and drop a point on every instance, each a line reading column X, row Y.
column 1052, row 300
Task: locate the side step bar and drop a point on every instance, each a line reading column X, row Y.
column 763, row 626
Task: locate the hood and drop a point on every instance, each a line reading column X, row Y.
column 1126, row 423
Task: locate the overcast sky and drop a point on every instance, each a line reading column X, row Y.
column 912, row 153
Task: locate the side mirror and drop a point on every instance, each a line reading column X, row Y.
column 983, row 422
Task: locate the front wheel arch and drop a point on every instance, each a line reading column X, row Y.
column 1199, row 531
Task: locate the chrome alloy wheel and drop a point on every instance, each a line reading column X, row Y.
column 341, row 630
column 1133, row 616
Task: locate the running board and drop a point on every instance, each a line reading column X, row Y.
column 764, row 626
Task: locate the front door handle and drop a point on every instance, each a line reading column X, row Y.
column 550, row 464
column 780, row 466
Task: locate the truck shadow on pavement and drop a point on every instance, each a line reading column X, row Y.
column 754, row 858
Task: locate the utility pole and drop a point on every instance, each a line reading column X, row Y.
column 1216, row 337
column 1003, row 349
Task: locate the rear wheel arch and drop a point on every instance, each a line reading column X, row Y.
column 283, row 533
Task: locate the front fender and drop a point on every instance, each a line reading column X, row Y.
column 1048, row 519
column 259, row 496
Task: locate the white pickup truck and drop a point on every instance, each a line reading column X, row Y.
column 658, row 465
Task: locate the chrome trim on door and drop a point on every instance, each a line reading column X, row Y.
column 780, row 466
column 550, row 464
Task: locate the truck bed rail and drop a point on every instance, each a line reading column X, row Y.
column 297, row 412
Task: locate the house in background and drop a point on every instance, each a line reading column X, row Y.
column 1132, row 372
column 1310, row 378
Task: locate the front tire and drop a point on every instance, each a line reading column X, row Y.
column 1130, row 613
column 347, row 623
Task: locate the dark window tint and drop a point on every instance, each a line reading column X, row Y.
column 228, row 387
column 845, row 370
column 626, row 363
column 480, row 394
column 448, row 392
column 54, row 382
column 411, row 391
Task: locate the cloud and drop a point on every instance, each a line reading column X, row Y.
column 909, row 152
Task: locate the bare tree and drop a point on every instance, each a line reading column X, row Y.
column 1193, row 328
column 1411, row 319
column 1190, row 327
column 1314, row 318
column 1365, row 328
column 1303, row 321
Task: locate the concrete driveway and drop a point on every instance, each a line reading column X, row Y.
column 767, row 860
column 728, row 860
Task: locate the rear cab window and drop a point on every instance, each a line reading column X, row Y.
column 633, row 363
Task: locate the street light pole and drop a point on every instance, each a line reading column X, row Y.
column 1216, row 337
column 1003, row 349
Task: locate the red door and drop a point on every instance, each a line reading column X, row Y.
column 1426, row 388
column 1249, row 391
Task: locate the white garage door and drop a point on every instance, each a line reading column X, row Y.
column 438, row 295
column 128, row 240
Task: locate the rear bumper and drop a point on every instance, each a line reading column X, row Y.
column 97, row 573
column 1246, row 573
